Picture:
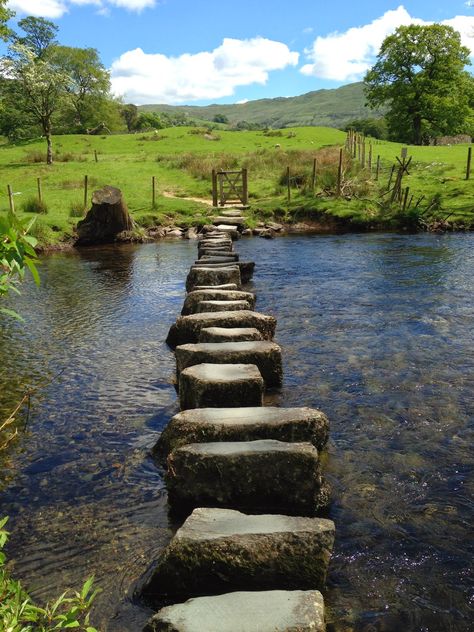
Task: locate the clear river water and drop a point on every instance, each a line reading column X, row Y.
column 376, row 330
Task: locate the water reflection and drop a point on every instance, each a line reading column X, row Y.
column 376, row 330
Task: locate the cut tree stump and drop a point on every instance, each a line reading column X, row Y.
column 107, row 218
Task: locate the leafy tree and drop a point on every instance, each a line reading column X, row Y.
column 36, row 88
column 40, row 35
column 129, row 114
column 149, row 120
column 420, row 75
column 88, row 85
column 220, row 118
column 375, row 127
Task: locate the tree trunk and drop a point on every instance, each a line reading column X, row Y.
column 107, row 218
column 417, row 129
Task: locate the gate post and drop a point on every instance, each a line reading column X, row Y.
column 214, row 188
column 245, row 189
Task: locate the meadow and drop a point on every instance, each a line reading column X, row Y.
column 181, row 160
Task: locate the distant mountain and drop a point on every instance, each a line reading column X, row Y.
column 333, row 108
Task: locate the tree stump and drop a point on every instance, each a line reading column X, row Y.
column 107, row 218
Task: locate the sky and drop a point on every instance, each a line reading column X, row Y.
column 209, row 51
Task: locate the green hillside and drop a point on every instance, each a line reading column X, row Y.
column 333, row 108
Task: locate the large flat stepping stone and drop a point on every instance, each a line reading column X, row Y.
column 223, row 286
column 217, row 551
column 216, row 385
column 222, row 306
column 258, row 476
column 264, row 611
column 207, row 425
column 214, row 259
column 204, row 275
column 217, row 252
column 234, row 334
column 231, row 212
column 193, row 298
column 216, row 244
column 187, row 328
column 265, row 355
column 229, row 229
column 246, row 268
column 236, row 220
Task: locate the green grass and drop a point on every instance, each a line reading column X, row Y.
column 181, row 162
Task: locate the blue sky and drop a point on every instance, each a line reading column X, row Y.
column 199, row 52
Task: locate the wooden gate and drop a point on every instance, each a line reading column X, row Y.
column 229, row 187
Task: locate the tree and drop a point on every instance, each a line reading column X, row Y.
column 88, row 86
column 36, row 88
column 420, row 75
column 220, row 118
column 40, row 35
column 129, row 113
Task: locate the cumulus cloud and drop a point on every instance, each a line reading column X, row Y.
column 347, row 56
column 150, row 78
column 57, row 8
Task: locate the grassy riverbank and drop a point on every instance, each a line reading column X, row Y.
column 181, row 159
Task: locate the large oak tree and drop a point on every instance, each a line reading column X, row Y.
column 420, row 77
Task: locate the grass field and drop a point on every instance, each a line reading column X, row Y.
column 181, row 159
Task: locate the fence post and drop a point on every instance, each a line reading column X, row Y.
column 245, row 187
column 40, row 192
column 377, row 170
column 86, row 186
column 339, row 173
column 405, row 198
column 370, row 158
column 10, row 198
column 288, row 184
column 153, row 192
column 313, row 176
column 469, row 159
column 96, row 156
column 214, row 189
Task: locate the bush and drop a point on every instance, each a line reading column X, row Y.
column 18, row 613
column 77, row 209
column 34, row 205
column 42, row 232
column 35, row 156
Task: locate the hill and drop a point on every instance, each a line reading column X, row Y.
column 332, row 108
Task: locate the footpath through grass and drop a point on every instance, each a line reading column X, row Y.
column 181, row 159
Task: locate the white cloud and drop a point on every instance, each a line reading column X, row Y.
column 347, row 56
column 57, row 8
column 155, row 78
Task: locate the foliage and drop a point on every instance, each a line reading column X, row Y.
column 420, row 75
column 220, row 118
column 129, row 114
column 35, row 205
column 374, row 127
column 17, row 253
column 40, row 35
column 18, row 613
column 5, row 15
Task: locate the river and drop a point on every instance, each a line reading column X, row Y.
column 376, row 330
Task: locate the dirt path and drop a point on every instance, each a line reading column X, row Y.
column 169, row 194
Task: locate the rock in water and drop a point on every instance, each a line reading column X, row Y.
column 107, row 218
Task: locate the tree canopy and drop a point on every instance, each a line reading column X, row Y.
column 420, row 77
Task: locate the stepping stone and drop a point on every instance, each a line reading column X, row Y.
column 216, row 243
column 216, row 385
column 203, row 275
column 187, row 328
column 234, row 334
column 257, row 476
column 194, row 298
column 214, row 252
column 229, row 229
column 214, row 259
column 232, row 212
column 265, row 355
column 264, row 611
column 222, row 306
column 229, row 221
column 246, row 268
column 223, row 286
column 219, row 550
column 203, row 425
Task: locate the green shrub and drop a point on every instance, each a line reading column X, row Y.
column 42, row 233
column 35, row 156
column 77, row 209
column 18, row 613
column 34, row 205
